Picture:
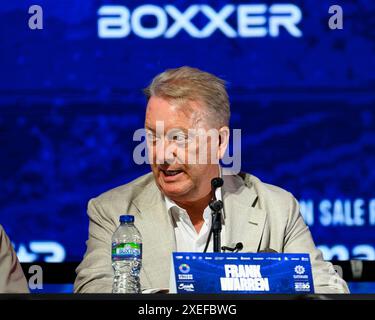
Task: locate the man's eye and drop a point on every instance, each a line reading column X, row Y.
column 151, row 137
column 179, row 138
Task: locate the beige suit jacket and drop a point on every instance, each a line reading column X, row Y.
column 257, row 214
column 12, row 278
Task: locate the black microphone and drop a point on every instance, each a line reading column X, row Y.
column 216, row 183
column 236, row 248
column 216, row 205
column 239, row 246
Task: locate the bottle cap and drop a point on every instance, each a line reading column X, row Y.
column 126, row 218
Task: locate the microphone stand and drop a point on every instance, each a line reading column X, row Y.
column 216, row 206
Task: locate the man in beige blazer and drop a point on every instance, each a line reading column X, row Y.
column 12, row 278
column 175, row 196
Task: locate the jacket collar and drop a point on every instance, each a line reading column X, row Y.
column 244, row 220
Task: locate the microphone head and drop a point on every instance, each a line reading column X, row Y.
column 239, row 246
column 216, row 205
column 216, row 183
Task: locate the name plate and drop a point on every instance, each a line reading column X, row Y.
column 256, row 273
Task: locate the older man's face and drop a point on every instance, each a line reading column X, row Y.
column 172, row 149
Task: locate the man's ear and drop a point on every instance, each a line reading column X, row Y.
column 223, row 141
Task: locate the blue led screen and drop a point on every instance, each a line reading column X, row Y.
column 302, row 93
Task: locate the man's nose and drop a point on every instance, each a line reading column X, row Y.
column 166, row 152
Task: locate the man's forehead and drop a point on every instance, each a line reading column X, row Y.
column 185, row 106
column 175, row 114
column 195, row 122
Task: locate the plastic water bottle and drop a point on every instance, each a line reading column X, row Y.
column 126, row 256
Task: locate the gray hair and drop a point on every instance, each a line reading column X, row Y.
column 185, row 84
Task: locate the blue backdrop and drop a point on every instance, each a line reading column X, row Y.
column 70, row 101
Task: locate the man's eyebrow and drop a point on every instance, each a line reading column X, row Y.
column 178, row 129
column 149, row 128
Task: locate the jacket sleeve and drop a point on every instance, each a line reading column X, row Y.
column 298, row 239
column 95, row 273
column 12, row 278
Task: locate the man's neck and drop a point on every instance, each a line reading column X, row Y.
column 195, row 210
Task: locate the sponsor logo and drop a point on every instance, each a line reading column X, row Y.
column 186, row 287
column 184, row 268
column 299, row 269
column 302, row 286
column 243, row 21
column 185, row 277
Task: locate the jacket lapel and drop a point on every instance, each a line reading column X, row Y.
column 158, row 237
column 244, row 221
